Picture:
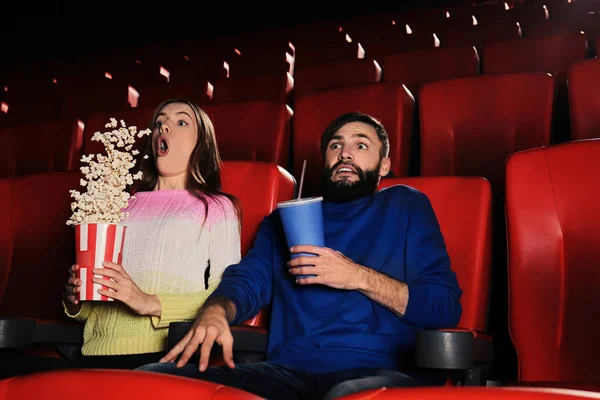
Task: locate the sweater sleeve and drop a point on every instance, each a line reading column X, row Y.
column 224, row 242
column 177, row 307
column 249, row 284
column 433, row 291
column 84, row 311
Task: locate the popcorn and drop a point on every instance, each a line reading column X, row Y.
column 106, row 177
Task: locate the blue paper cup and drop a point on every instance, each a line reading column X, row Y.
column 302, row 221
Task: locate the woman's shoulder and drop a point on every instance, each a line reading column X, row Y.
column 221, row 207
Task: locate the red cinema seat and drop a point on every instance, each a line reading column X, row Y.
column 469, row 126
column 584, row 99
column 553, row 232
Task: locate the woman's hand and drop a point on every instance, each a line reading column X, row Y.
column 71, row 294
column 124, row 289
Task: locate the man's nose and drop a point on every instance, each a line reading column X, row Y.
column 345, row 154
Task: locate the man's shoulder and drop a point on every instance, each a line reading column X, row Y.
column 400, row 192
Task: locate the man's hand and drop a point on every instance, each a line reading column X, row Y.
column 210, row 326
column 330, row 267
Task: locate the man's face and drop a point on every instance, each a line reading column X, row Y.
column 353, row 164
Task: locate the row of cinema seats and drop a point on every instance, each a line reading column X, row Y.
column 280, row 66
column 552, row 54
column 553, row 237
column 276, row 64
column 133, row 385
column 464, row 126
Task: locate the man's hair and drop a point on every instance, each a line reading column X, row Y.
column 347, row 118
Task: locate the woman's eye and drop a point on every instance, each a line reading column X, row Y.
column 181, row 123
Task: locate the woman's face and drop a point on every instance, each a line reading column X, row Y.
column 173, row 140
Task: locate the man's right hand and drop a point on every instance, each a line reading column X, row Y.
column 210, row 326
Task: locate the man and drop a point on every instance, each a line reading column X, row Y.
column 384, row 274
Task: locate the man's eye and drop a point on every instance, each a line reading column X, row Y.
column 335, row 146
column 362, row 146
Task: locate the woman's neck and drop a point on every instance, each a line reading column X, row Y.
column 170, row 183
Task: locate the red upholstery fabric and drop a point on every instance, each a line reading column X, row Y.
column 340, row 74
column 584, row 99
column 115, row 384
column 463, row 208
column 589, row 23
column 6, row 237
column 399, row 43
column 466, row 393
column 553, row 232
column 393, row 105
column 151, row 95
column 258, row 187
column 42, row 244
column 469, row 126
column 253, row 131
column 310, row 54
column 40, row 147
column 480, row 35
column 551, row 54
column 87, row 100
column 275, row 87
column 419, row 67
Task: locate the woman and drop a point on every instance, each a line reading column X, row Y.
column 182, row 232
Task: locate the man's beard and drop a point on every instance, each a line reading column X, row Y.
column 345, row 190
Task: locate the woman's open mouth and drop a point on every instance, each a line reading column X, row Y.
column 162, row 147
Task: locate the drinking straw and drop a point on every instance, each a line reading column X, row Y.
column 301, row 180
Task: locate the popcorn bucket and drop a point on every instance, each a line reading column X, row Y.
column 95, row 244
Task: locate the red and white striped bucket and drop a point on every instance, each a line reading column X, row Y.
column 95, row 244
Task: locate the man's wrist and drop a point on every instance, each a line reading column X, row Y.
column 220, row 304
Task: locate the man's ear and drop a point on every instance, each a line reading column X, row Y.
column 385, row 166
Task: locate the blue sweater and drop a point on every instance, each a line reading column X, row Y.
column 321, row 330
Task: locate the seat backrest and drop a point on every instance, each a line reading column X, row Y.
column 553, row 229
column 86, row 100
column 464, row 210
column 419, row 67
column 469, row 126
column 132, row 385
column 584, row 99
column 481, row 34
column 253, row 131
column 392, row 105
column 151, row 95
column 272, row 87
column 551, row 54
column 6, row 237
column 333, row 75
column 259, row 187
column 40, row 147
column 43, row 246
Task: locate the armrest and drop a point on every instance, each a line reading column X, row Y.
column 452, row 348
column 245, row 338
column 22, row 332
